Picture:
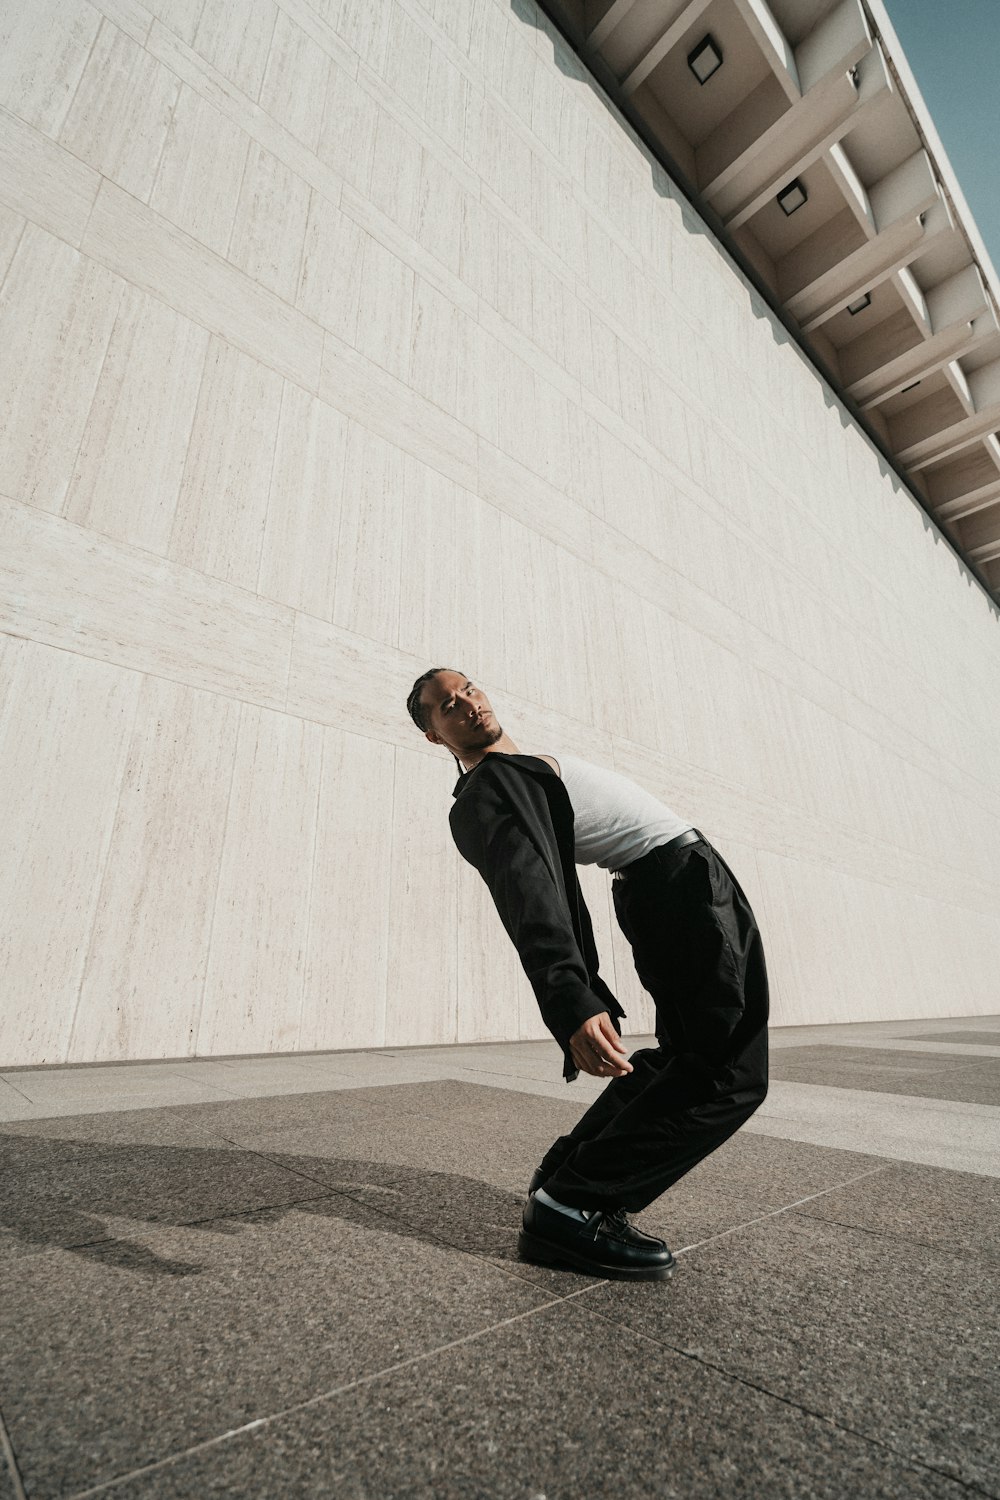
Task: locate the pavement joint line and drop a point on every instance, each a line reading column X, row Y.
column 14, row 1086
column 7, row 1449
column 808, row 1411
column 905, row 1239
column 315, row 1400
column 774, row 1212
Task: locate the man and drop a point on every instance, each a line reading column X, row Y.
column 525, row 822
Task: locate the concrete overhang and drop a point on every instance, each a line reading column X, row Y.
column 871, row 258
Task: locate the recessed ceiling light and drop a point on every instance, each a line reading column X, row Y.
column 705, row 60
column 792, row 197
column 860, row 304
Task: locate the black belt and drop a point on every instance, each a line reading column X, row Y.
column 689, row 836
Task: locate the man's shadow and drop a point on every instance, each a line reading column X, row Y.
column 60, row 1192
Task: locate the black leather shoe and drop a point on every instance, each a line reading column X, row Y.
column 537, row 1181
column 606, row 1244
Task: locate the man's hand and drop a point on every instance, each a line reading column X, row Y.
column 597, row 1048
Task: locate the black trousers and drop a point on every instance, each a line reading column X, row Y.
column 698, row 952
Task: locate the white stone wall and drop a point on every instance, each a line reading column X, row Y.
column 343, row 339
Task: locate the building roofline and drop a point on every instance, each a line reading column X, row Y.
column 924, row 123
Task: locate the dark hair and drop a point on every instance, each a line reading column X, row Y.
column 417, row 709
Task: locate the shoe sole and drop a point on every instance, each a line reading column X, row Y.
column 544, row 1251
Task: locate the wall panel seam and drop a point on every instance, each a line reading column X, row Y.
column 194, row 1040
column 85, row 425
column 105, row 859
column 390, row 886
column 296, row 152
column 257, row 591
column 333, row 45
column 307, row 941
column 56, row 130
column 17, row 246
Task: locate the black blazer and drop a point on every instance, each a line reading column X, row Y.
column 513, row 821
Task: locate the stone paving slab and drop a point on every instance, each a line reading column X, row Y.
column 71, row 1200
column 959, row 1212
column 241, row 1119
column 459, row 1178
column 827, row 1056
column 44, row 1142
column 970, row 1038
column 560, row 1404
column 60, row 1089
column 920, row 1044
column 936, row 1132
column 927, row 1075
column 427, row 1164
column 819, row 1290
column 890, row 1339
column 56, row 1092
column 778, row 1172
column 7, row 1487
column 173, row 1333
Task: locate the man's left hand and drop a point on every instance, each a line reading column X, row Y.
column 597, row 1048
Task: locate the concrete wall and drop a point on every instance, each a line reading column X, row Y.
column 341, row 340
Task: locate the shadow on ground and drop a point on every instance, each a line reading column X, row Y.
column 320, row 1294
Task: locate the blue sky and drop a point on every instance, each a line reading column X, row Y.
column 953, row 48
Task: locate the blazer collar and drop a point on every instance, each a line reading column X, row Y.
column 530, row 763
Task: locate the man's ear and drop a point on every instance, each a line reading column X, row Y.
column 434, row 739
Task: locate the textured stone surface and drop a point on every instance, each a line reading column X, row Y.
column 958, row 1212
column 970, row 1038
column 170, row 1334
column 302, row 1267
column 7, row 1489
column 23, row 1144
column 560, row 1404
column 888, row 1338
column 392, row 1104
column 74, row 1199
column 927, row 1075
column 962, row 1137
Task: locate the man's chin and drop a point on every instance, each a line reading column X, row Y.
column 487, row 737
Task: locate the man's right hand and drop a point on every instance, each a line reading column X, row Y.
column 597, row 1048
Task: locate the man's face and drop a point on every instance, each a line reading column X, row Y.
column 459, row 714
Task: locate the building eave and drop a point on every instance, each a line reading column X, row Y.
column 837, row 108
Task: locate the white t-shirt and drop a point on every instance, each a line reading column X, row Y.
column 616, row 821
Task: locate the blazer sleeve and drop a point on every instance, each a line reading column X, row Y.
column 491, row 837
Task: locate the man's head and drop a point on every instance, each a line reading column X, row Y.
column 452, row 711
